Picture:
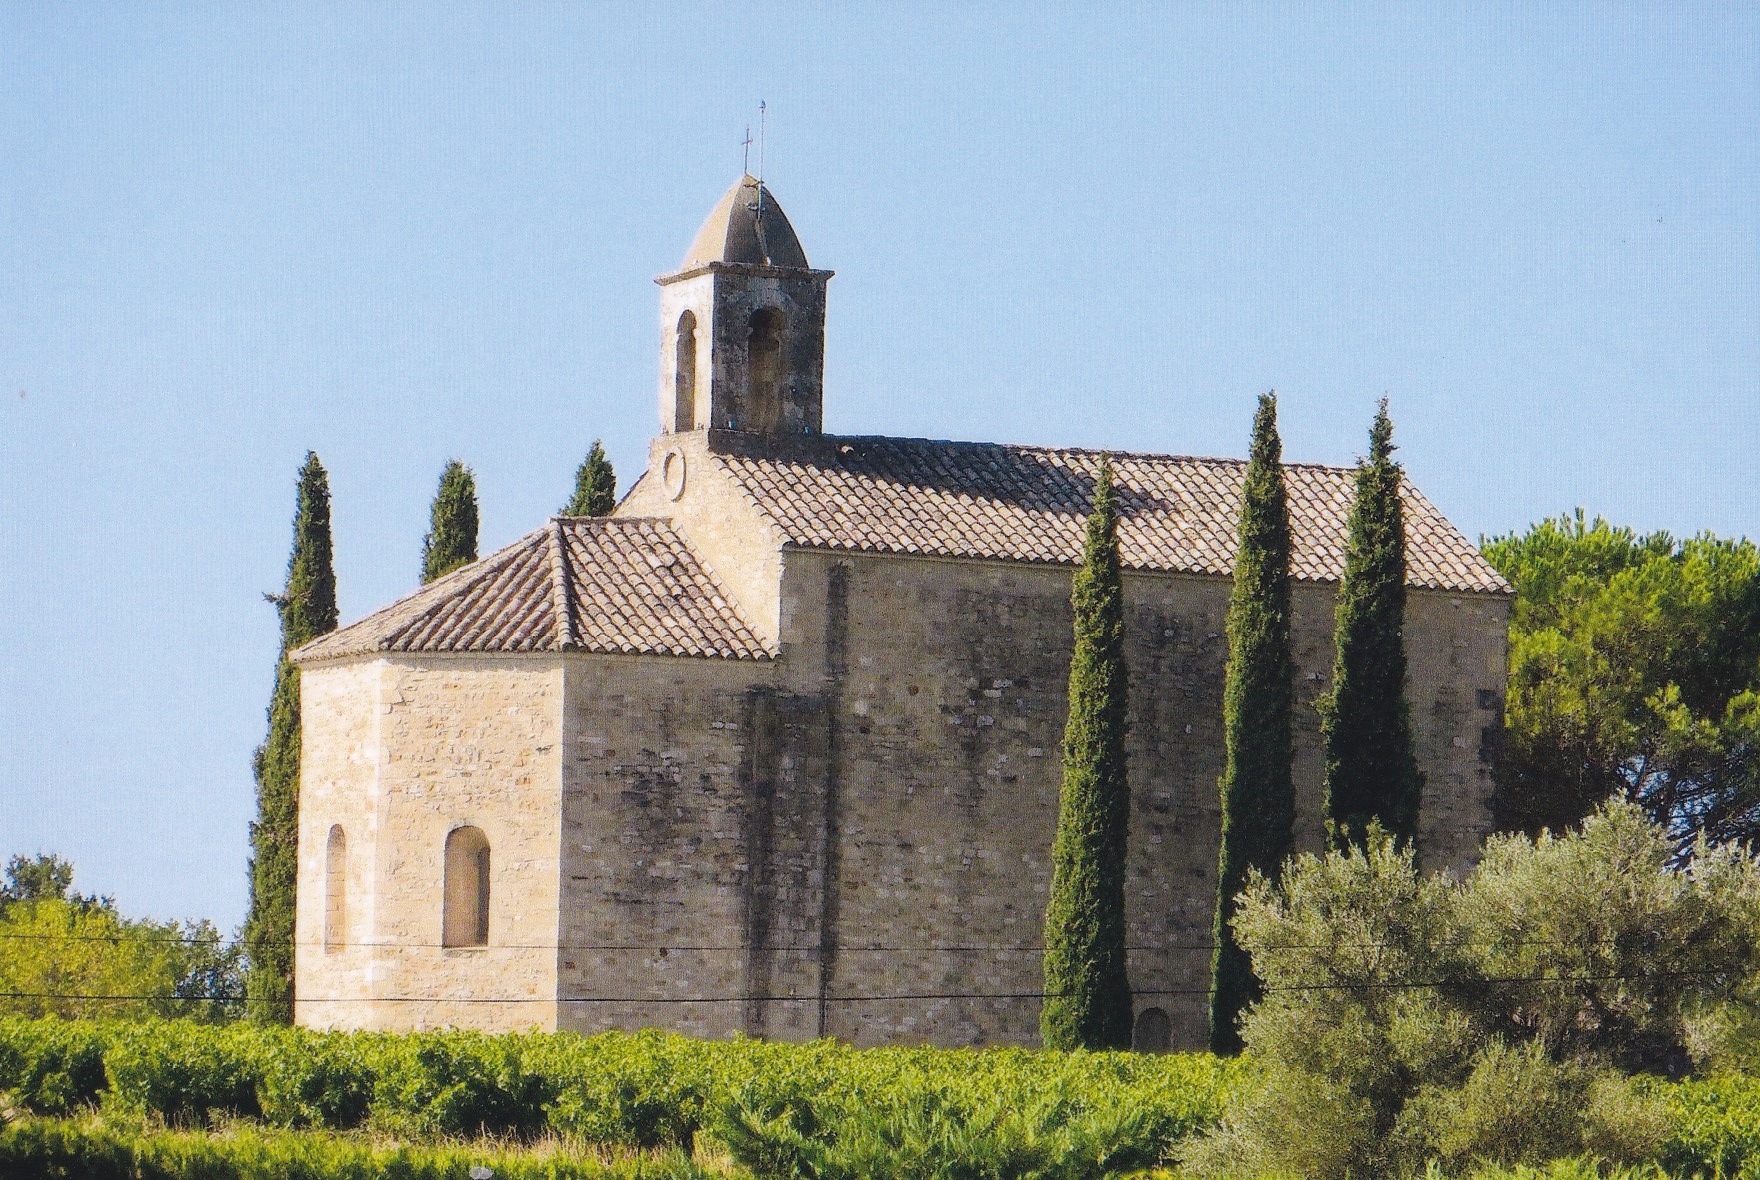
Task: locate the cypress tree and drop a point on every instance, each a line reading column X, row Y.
column 307, row 608
column 1087, row 995
column 1371, row 773
column 452, row 523
column 595, row 486
column 1258, row 798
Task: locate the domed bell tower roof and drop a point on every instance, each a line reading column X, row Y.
column 746, row 227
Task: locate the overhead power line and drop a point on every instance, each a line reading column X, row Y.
column 1334, row 985
column 805, row 948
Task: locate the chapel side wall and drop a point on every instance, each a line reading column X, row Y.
column 693, row 848
column 1457, row 659
column 1455, row 673
column 948, row 680
column 949, row 699
column 467, row 739
column 339, row 772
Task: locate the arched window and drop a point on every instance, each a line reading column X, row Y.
column 466, row 904
column 764, row 371
column 1153, row 1033
column 335, row 889
column 684, row 373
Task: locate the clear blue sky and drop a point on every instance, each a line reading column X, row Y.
column 401, row 233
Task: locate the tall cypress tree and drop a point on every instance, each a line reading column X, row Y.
column 1371, row 772
column 595, row 486
column 1258, row 798
column 452, row 523
column 307, row 606
column 1087, row 995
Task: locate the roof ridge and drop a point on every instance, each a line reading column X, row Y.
column 1041, row 448
column 607, row 521
column 562, row 596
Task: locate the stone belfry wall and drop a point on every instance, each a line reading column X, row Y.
column 729, row 306
column 742, row 325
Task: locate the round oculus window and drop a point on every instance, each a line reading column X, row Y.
column 672, row 474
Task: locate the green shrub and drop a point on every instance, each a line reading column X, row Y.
column 1388, row 990
column 186, row 1073
column 459, row 1083
column 1284, row 1122
column 1627, row 1120
column 51, row 1067
column 642, row 1090
column 1518, row 1106
column 317, row 1079
column 935, row 1136
column 1583, row 1167
column 1716, row 1126
column 41, row 1150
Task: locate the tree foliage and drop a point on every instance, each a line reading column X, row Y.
column 1087, row 995
column 1258, row 797
column 595, row 486
column 71, row 955
column 1634, row 671
column 307, row 608
column 1404, row 1011
column 452, row 523
column 1371, row 772
column 40, row 877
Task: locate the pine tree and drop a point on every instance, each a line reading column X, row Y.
column 1371, row 772
column 452, row 523
column 1087, row 995
column 595, row 486
column 1258, row 798
column 307, row 607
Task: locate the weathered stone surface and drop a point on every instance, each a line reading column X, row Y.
column 851, row 841
column 399, row 752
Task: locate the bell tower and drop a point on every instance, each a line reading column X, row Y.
column 742, row 325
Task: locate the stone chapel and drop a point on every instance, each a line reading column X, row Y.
column 774, row 748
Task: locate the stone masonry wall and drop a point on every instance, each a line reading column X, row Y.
column 851, row 840
column 947, row 680
column 339, row 785
column 693, row 847
column 402, row 751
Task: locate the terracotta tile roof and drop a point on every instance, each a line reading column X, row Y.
column 989, row 500
column 595, row 585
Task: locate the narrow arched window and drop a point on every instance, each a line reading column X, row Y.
column 335, row 889
column 466, row 903
column 1153, row 1032
column 764, row 371
column 684, row 373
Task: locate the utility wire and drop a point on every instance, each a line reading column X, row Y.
column 803, row 948
column 1363, row 985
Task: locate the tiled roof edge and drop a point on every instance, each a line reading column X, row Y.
column 1096, row 452
column 436, row 590
column 1170, row 571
